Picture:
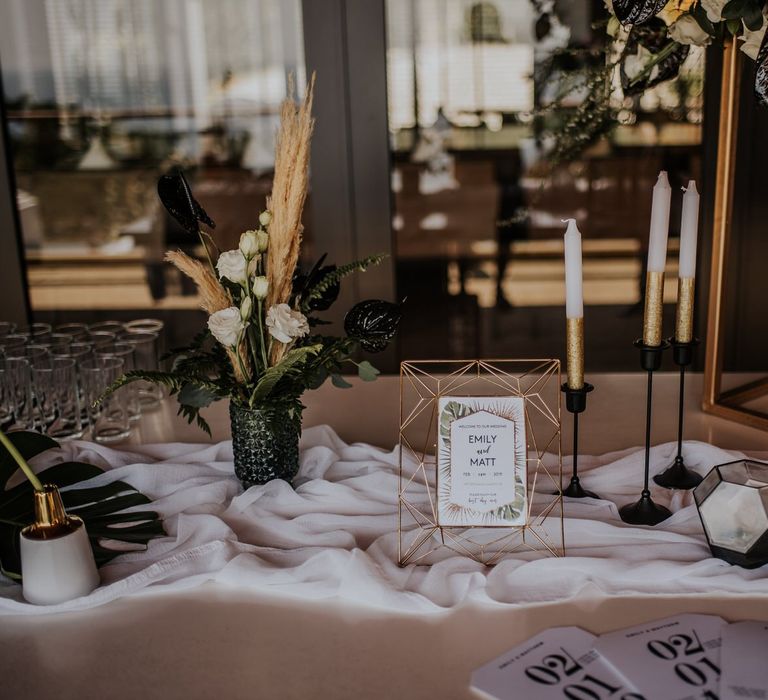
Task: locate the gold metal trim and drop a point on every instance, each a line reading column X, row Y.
column 745, row 393
column 51, row 520
column 654, row 306
column 422, row 383
column 728, row 404
column 684, row 318
column 574, row 333
column 724, row 188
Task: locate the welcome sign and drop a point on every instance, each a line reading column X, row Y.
column 481, row 461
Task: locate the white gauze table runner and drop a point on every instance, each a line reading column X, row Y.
column 335, row 535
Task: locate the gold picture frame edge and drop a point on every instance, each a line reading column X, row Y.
column 726, row 404
column 409, row 553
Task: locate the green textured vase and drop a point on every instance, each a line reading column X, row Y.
column 265, row 443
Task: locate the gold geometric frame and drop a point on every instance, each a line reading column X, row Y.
column 729, row 403
column 420, row 538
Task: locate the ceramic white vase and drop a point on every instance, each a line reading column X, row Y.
column 56, row 558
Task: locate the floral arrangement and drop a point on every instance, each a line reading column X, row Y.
column 259, row 348
column 698, row 22
column 691, row 23
column 647, row 43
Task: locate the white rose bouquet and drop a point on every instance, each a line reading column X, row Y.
column 259, row 349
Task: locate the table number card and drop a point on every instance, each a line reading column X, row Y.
column 673, row 659
column 743, row 660
column 558, row 664
column 481, row 461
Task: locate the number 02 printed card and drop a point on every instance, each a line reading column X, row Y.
column 481, row 469
column 558, row 664
column 673, row 659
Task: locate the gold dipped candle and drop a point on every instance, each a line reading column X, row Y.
column 654, row 305
column 575, row 352
column 574, row 306
column 684, row 320
column 686, row 283
column 657, row 258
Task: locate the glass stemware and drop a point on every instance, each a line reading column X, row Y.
column 17, row 392
column 130, row 392
column 55, row 388
column 145, row 358
column 108, row 416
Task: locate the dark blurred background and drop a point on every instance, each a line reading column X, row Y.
column 430, row 145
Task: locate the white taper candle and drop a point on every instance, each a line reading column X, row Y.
column 574, row 307
column 574, row 296
column 657, row 244
column 689, row 231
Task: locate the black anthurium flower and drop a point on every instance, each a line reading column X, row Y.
column 373, row 323
column 637, row 11
column 761, row 76
column 176, row 196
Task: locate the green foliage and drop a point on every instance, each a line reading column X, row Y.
column 200, row 375
column 102, row 508
column 289, row 367
column 511, row 511
column 367, row 372
column 333, row 277
column 585, row 124
column 700, row 15
column 339, row 382
column 452, row 411
column 751, row 11
column 567, row 75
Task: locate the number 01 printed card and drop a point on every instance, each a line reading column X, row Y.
column 481, row 469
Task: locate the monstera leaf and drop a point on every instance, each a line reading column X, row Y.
column 637, row 11
column 373, row 323
column 102, row 508
column 176, row 196
column 453, row 410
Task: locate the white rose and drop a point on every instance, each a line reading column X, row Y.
column 249, row 244
column 687, row 31
column 232, row 266
column 260, row 287
column 285, row 324
column 263, row 240
column 245, row 308
column 265, row 218
column 634, row 63
column 226, row 326
column 754, row 40
column 714, row 9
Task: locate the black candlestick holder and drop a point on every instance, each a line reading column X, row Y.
column 645, row 511
column 576, row 402
column 678, row 476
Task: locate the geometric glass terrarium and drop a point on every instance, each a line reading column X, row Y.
column 733, row 506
